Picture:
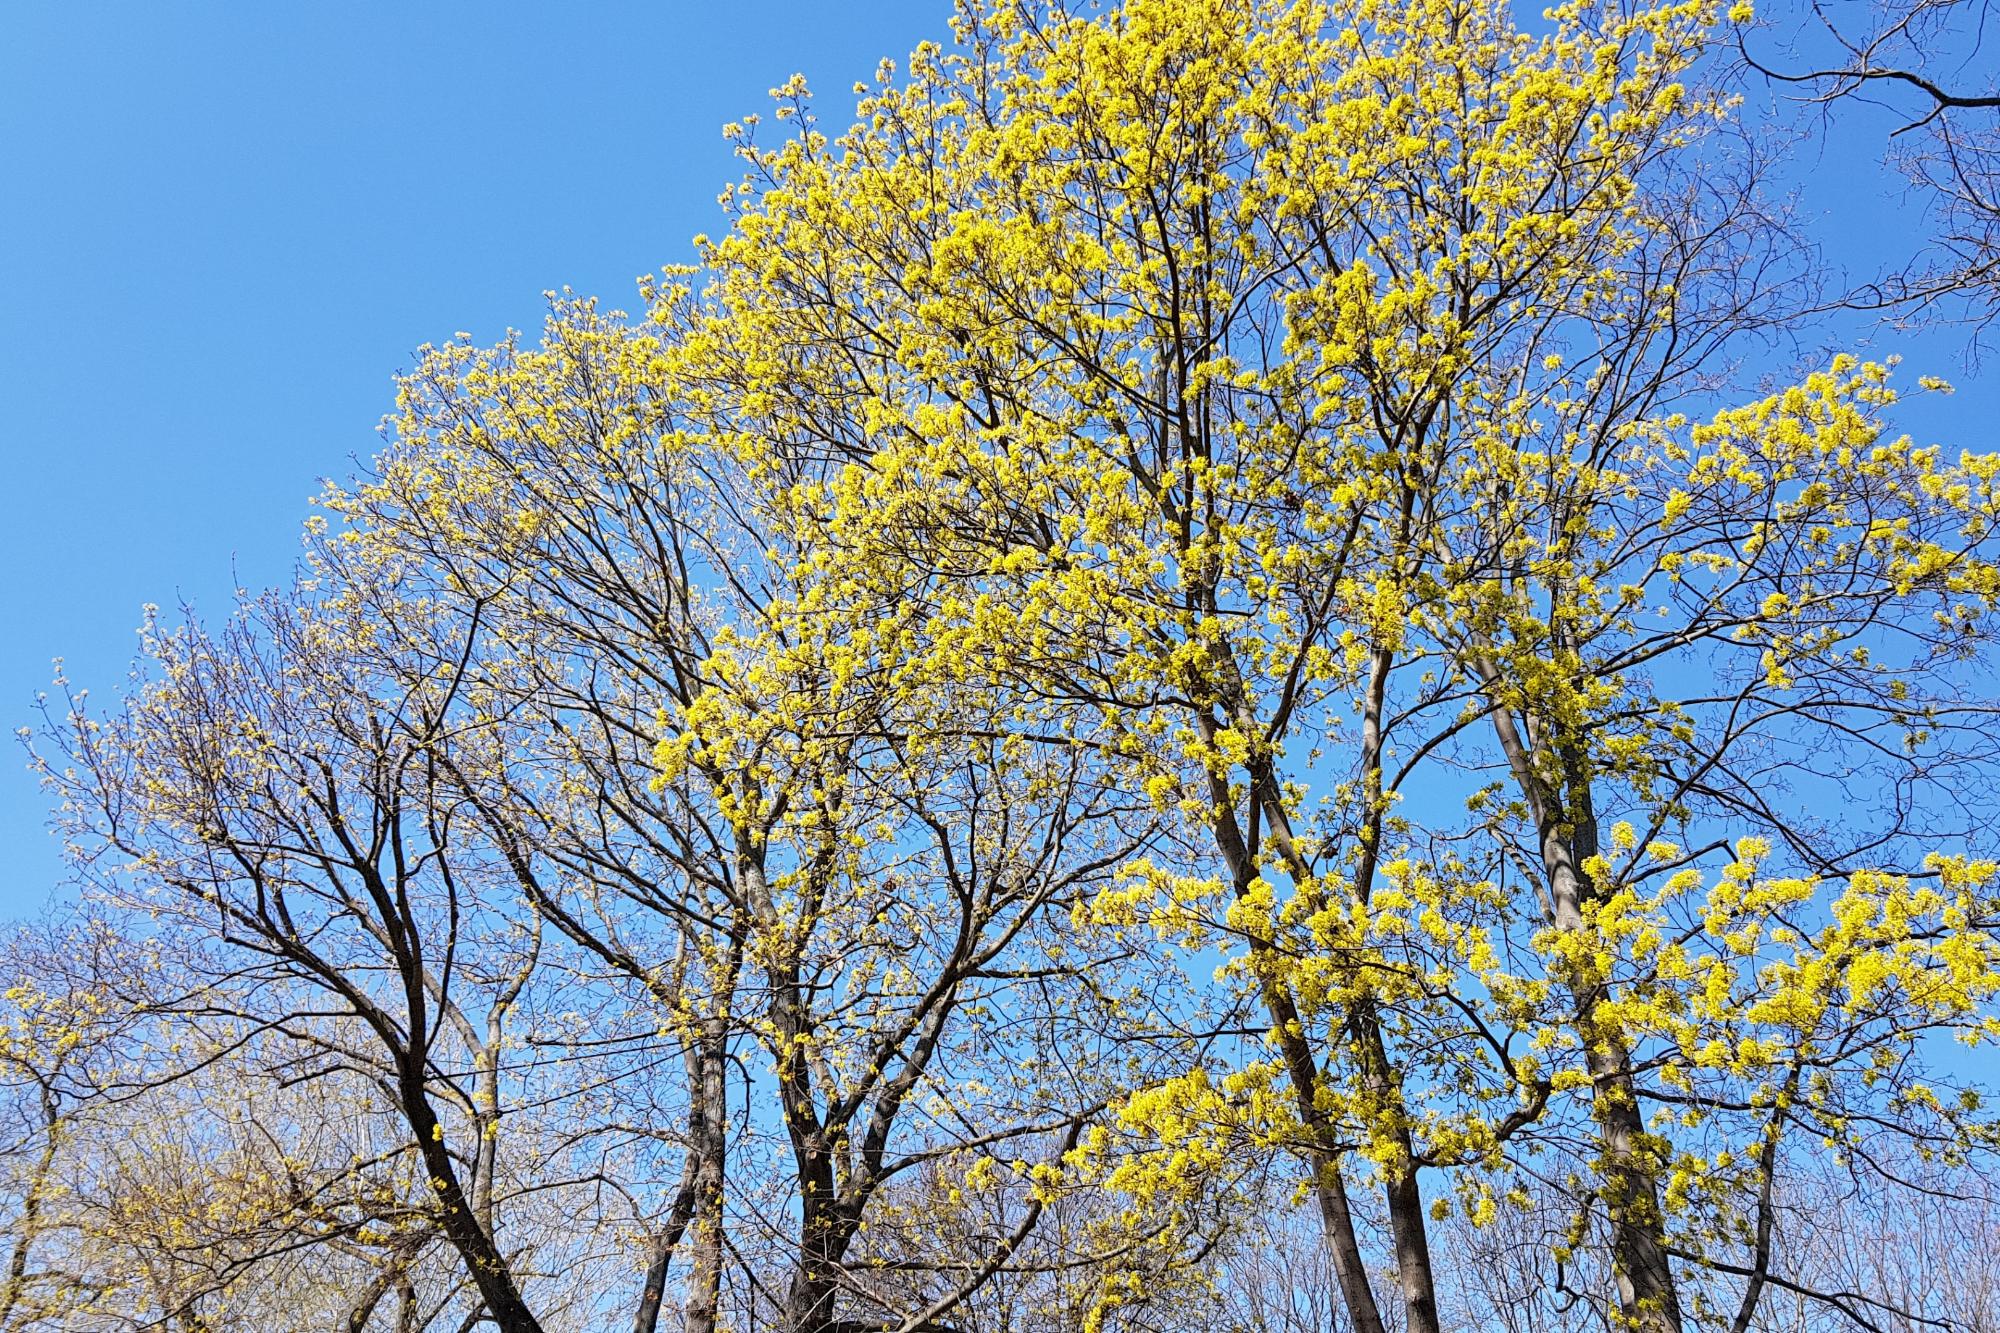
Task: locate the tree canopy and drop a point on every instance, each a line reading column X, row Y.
column 1210, row 671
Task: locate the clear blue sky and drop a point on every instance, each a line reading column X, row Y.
column 223, row 226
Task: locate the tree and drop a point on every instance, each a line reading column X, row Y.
column 876, row 886
column 56, row 1042
column 172, row 1176
column 282, row 791
column 1302, row 394
column 1256, row 490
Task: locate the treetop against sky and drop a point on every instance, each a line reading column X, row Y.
column 255, row 218
column 1205, row 634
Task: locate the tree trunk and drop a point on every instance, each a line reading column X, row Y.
column 704, row 1285
column 484, row 1263
column 1565, row 822
column 1408, row 1225
column 811, row 1301
column 653, row 1290
column 1630, row 1185
column 1302, row 1072
column 1336, row 1216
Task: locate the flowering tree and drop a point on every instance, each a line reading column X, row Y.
column 1298, row 404
column 1197, row 612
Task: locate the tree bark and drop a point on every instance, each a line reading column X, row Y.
column 704, row 1285
column 488, row 1267
column 1302, row 1072
column 1629, row 1181
column 653, row 1289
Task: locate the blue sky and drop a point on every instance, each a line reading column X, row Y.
column 224, row 226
